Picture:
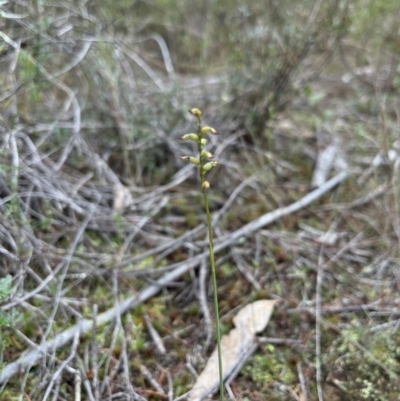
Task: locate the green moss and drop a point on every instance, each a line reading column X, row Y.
column 366, row 377
column 182, row 383
column 10, row 395
column 264, row 369
column 276, row 288
column 192, row 310
column 192, row 219
column 142, row 264
column 226, row 270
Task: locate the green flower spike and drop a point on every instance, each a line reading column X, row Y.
column 203, row 168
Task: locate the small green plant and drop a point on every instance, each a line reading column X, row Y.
column 5, row 319
column 5, row 290
column 205, row 166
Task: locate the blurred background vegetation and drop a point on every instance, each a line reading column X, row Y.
column 133, row 67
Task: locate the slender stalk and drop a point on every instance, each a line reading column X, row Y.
column 212, row 262
column 214, row 282
column 203, row 169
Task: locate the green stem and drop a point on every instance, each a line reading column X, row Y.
column 212, row 264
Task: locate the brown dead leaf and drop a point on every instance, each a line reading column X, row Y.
column 250, row 320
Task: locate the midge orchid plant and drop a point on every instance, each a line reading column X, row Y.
column 205, row 166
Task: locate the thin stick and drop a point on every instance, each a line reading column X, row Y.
column 154, row 335
column 203, row 304
column 78, row 382
column 320, row 273
column 95, row 370
column 214, row 282
column 302, row 381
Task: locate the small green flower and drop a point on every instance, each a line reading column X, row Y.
column 205, row 185
column 196, row 112
column 191, row 159
column 209, row 130
column 190, row 137
column 206, row 154
column 209, row 166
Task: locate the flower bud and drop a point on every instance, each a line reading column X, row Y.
column 205, row 185
column 209, row 130
column 196, row 112
column 209, row 166
column 204, row 141
column 190, row 137
column 190, row 159
column 206, row 154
